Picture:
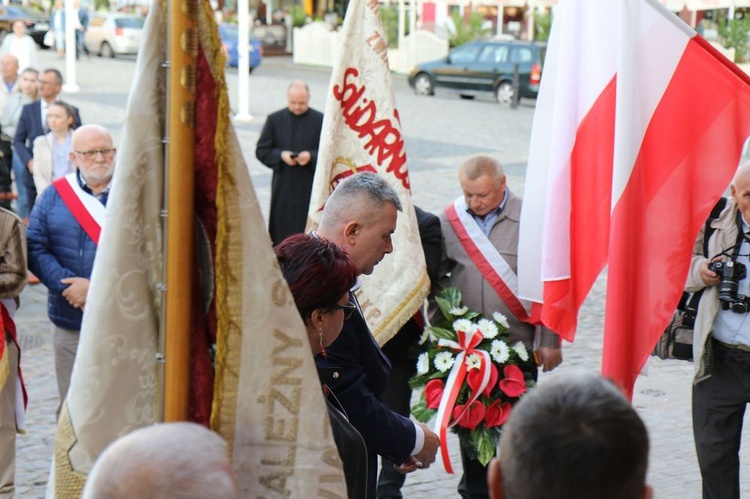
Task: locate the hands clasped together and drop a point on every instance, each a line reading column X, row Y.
column 301, row 158
column 424, row 458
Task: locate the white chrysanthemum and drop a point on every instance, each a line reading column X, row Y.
column 444, row 361
column 425, row 336
column 458, row 310
column 464, row 325
column 521, row 351
column 474, row 361
column 500, row 351
column 488, row 328
column 423, row 363
column 500, row 319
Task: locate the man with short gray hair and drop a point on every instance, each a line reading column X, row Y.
column 170, row 460
column 360, row 216
column 482, row 264
column 574, row 436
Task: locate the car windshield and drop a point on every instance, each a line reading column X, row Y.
column 129, row 22
column 24, row 13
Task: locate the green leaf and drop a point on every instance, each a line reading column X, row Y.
column 442, row 333
column 471, row 315
column 484, row 443
column 421, row 412
column 447, row 299
column 445, row 306
column 453, row 295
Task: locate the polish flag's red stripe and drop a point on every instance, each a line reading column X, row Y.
column 690, row 152
column 591, row 191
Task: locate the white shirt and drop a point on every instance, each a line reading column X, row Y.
column 730, row 327
column 43, row 107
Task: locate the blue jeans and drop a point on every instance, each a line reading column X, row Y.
column 22, row 202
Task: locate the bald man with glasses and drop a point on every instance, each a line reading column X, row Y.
column 63, row 235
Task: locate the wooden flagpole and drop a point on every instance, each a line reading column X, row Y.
column 180, row 186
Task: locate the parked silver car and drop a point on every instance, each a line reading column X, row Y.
column 110, row 35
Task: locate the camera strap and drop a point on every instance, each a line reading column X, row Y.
column 741, row 237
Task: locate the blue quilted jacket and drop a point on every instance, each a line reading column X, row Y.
column 58, row 248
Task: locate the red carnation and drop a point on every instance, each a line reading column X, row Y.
column 471, row 417
column 497, row 414
column 514, row 383
column 433, row 392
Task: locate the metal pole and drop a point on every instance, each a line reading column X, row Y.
column 71, row 84
column 401, row 25
column 243, row 66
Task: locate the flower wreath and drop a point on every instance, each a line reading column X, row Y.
column 471, row 377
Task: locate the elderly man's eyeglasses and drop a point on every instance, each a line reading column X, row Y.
column 348, row 309
column 89, row 155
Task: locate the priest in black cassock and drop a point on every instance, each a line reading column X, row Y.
column 288, row 145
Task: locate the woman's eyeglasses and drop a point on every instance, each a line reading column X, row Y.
column 348, row 309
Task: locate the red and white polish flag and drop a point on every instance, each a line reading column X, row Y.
column 638, row 130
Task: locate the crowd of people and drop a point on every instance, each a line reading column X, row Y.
column 574, row 436
column 68, row 169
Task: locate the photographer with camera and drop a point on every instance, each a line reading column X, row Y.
column 721, row 343
column 288, row 145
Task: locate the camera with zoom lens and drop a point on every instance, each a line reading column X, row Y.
column 731, row 274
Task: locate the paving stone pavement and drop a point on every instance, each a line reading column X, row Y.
column 439, row 134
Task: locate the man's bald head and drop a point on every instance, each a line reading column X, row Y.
column 298, row 96
column 740, row 190
column 175, row 460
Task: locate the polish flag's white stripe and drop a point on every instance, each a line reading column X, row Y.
column 648, row 56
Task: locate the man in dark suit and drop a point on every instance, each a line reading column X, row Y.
column 33, row 123
column 360, row 216
column 401, row 350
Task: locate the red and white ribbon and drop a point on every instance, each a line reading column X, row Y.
column 467, row 342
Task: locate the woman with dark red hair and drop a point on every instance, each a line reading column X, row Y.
column 320, row 275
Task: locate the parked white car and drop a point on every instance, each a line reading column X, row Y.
column 110, row 35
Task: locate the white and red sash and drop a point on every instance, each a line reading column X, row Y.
column 88, row 211
column 490, row 262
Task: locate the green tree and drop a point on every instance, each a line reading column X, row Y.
column 299, row 16
column 467, row 31
column 542, row 25
column 735, row 34
column 389, row 16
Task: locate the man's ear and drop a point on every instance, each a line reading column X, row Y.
column 495, row 479
column 351, row 231
column 648, row 492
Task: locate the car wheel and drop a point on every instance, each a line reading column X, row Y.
column 466, row 96
column 106, row 50
column 423, row 84
column 504, row 94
